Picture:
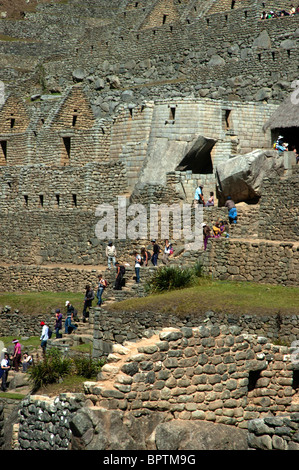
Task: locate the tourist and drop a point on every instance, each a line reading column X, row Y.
column 216, row 230
column 210, row 201
column 294, row 150
column 4, row 371
column 198, row 196
column 110, row 254
column 58, row 323
column 89, row 296
column 206, row 234
column 137, row 266
column 44, row 336
column 101, row 286
column 232, row 210
column 155, row 254
column 27, row 361
column 71, row 314
column 120, row 271
column 17, row 355
column 168, row 251
column 280, row 145
column 146, row 256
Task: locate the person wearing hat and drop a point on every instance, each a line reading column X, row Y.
column 111, row 254
column 17, row 355
column 58, row 323
column 44, row 336
column 198, row 196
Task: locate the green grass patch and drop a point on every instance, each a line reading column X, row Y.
column 35, row 303
column 218, row 296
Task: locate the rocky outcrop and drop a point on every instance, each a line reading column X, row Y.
column 241, row 177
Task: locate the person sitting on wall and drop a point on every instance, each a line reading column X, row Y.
column 27, row 361
column 232, row 210
column 210, row 201
column 281, row 146
column 216, row 230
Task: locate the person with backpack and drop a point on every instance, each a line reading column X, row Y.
column 70, row 314
column 89, row 296
column 101, row 286
column 156, row 251
column 58, row 323
column 120, row 272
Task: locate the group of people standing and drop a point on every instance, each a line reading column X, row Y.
column 13, row 361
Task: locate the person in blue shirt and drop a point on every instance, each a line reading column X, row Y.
column 198, row 196
column 280, row 145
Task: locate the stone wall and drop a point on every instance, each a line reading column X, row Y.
column 112, row 327
column 206, row 48
column 268, row 262
column 274, row 433
column 44, row 423
column 211, row 373
column 279, row 214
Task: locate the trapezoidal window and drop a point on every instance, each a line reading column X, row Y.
column 227, row 119
column 3, row 152
column 164, row 19
column 198, row 159
column 295, row 382
column 253, row 377
column 75, row 117
column 66, row 150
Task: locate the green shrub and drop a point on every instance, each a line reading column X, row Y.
column 50, row 370
column 86, row 366
column 198, row 269
column 55, row 366
column 170, row 277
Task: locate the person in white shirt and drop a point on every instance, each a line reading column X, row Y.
column 137, row 266
column 4, row 371
column 111, row 254
column 44, row 336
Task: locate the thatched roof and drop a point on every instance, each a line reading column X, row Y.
column 285, row 116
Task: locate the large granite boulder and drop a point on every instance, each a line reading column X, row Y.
column 241, row 177
column 199, row 435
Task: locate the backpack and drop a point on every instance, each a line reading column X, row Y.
column 49, row 333
column 122, row 269
column 104, row 283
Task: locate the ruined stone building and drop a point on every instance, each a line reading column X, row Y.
column 142, row 100
column 135, row 99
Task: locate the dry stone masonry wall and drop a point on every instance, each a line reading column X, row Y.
column 206, row 373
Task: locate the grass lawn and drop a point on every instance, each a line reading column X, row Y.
column 219, row 296
column 40, row 302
